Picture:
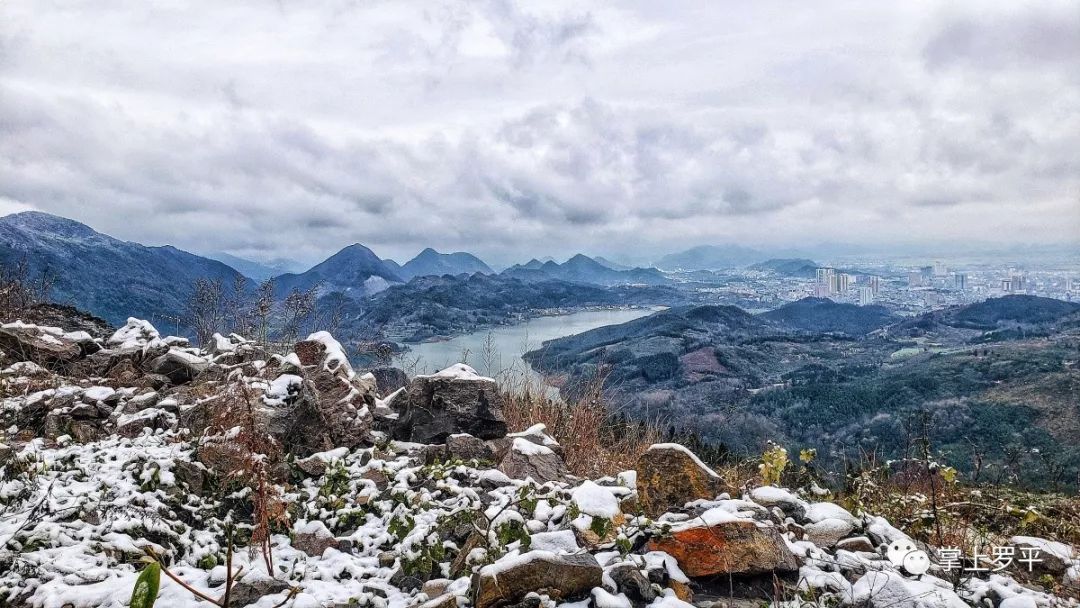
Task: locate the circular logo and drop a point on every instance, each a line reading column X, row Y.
column 898, row 550
column 917, row 562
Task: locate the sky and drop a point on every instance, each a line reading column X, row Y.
column 293, row 128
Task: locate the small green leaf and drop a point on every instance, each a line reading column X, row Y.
column 146, row 587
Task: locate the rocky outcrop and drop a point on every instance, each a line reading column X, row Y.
column 527, row 460
column 717, row 544
column 562, row 577
column 47, row 346
column 455, row 400
column 669, row 476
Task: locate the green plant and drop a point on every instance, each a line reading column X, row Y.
column 773, row 462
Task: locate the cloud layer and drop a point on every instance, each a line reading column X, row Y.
column 294, row 128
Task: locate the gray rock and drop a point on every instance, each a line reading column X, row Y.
column 248, row 591
column 466, row 447
column 631, row 582
column 389, row 379
column 525, row 460
column 561, row 577
column 438, row 407
column 179, row 366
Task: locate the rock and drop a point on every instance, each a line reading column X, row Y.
column 389, row 379
column 465, row 447
column 191, row 474
column 559, row 576
column 632, row 583
column 446, row 600
column 313, row 538
column 856, row 544
column 43, row 345
column 455, row 400
column 770, row 496
column 435, row 587
column 1056, row 558
column 669, row 476
column 827, row 532
column 136, row 333
column 132, row 425
column 251, row 589
column 537, row 434
column 527, row 460
column 179, row 366
column 335, row 412
column 888, row 589
column 731, row 546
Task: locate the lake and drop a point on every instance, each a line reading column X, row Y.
column 497, row 352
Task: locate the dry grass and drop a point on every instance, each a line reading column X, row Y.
column 595, row 442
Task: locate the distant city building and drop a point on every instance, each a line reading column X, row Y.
column 874, row 283
column 959, row 280
column 866, row 296
column 915, row 279
column 842, row 282
column 826, row 282
column 940, row 269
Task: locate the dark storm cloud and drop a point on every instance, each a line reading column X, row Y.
column 520, row 129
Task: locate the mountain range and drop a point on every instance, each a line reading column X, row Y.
column 709, row 257
column 116, row 279
column 109, row 277
column 992, row 377
column 583, row 269
column 432, row 263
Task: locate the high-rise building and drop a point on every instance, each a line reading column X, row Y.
column 866, row 296
column 826, row 282
column 842, row 282
column 914, row 279
column 927, row 274
column 874, row 283
column 940, row 269
column 959, row 280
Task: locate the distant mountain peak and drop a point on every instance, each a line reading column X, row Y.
column 39, row 221
column 430, row 262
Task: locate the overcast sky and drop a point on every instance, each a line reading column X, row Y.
column 293, row 128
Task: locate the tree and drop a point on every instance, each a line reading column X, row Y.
column 206, row 308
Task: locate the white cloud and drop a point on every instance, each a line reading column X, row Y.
column 292, row 129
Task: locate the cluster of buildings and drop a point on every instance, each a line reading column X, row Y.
column 831, row 283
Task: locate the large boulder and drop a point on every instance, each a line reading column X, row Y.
column 179, row 366
column 44, row 345
column 527, row 460
column 669, row 476
column 718, row 543
column 455, row 400
column 389, row 379
column 325, row 405
column 884, row 589
column 560, row 577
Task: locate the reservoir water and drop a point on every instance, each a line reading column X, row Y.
column 497, row 352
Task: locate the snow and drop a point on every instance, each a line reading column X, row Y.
column 1059, row 550
column 1018, row 601
column 685, row 450
column 595, row 500
column 135, row 333
column 772, row 495
column 893, row 590
column 603, row 599
column 458, row 371
column 335, row 357
column 820, row 511
column 98, row 393
column 528, row 448
column 560, row 541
